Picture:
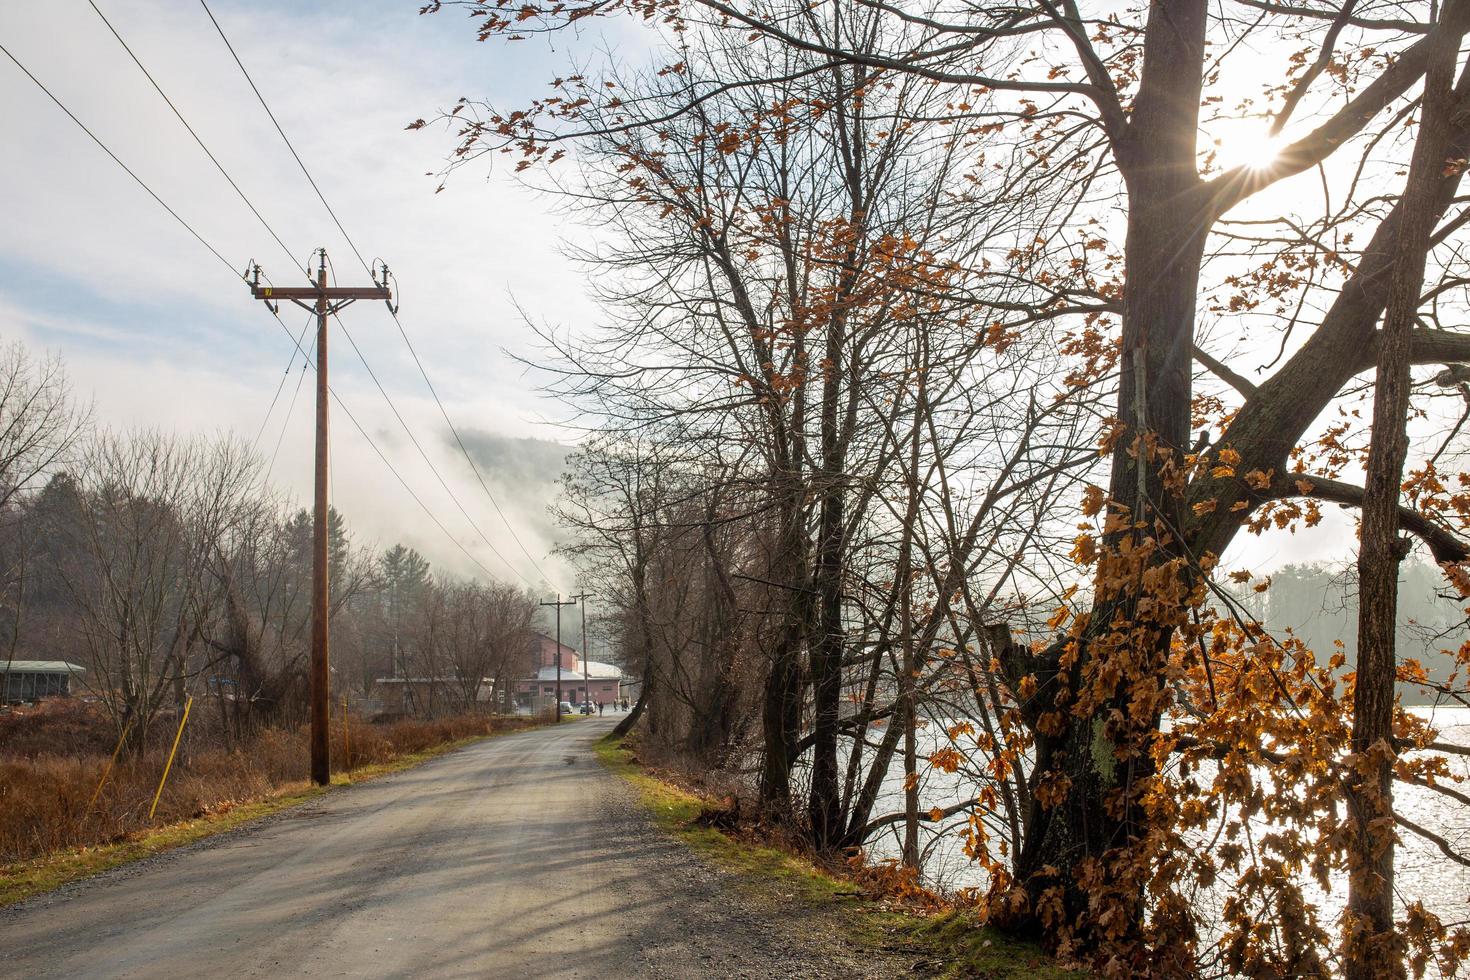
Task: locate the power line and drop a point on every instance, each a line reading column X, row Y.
column 465, row 452
column 128, row 170
column 253, row 210
column 393, row 407
column 291, row 254
column 430, row 514
column 401, row 331
column 284, row 137
column 432, row 468
column 218, row 166
column 286, row 422
column 226, row 263
column 417, row 445
column 290, row 363
column 391, row 468
column 243, row 197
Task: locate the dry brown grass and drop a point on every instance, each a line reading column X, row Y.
column 52, row 759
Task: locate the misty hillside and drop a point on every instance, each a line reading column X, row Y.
column 1318, row 602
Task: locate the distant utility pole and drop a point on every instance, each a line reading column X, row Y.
column 558, row 604
column 586, row 671
column 324, row 300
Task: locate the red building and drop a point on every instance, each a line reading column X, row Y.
column 581, row 680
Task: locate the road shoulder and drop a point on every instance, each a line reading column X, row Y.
column 854, row 933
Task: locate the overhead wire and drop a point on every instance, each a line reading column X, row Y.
column 228, row 179
column 418, row 446
column 459, row 442
column 286, row 422
column 264, row 105
column 291, row 254
column 391, row 468
column 465, row 451
column 227, row 264
column 290, row 363
column 180, row 116
column 412, row 438
column 128, row 170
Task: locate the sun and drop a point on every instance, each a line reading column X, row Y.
column 1245, row 143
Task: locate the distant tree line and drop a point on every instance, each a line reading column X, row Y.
column 167, row 567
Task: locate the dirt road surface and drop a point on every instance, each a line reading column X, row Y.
column 516, row 857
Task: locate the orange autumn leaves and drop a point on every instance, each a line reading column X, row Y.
column 1245, row 791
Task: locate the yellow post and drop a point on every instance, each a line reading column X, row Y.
column 110, row 763
column 171, row 753
column 346, row 740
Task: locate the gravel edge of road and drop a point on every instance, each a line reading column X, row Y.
column 821, row 938
column 143, row 862
column 850, row 935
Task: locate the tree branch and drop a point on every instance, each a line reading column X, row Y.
column 1443, row 545
column 1324, row 58
column 1219, row 370
column 909, row 63
column 1435, row 839
column 1369, row 23
column 925, row 816
column 1425, row 347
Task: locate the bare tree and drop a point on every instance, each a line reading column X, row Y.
column 154, row 514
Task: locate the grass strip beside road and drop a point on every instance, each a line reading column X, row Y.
column 950, row 944
column 24, row 879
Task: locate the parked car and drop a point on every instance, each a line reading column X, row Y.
column 588, row 708
column 565, row 708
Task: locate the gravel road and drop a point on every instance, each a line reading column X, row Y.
column 516, row 857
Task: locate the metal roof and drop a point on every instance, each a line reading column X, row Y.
column 594, row 671
column 40, row 667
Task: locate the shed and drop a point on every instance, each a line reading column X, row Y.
column 27, row 680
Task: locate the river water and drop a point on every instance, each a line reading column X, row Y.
column 1423, row 873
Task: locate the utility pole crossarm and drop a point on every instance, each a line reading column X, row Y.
column 321, row 292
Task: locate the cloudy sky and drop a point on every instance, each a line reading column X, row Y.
column 160, row 333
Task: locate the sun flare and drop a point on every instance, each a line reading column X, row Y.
column 1253, row 147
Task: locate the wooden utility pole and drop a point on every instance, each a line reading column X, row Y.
column 558, row 604
column 325, row 301
column 586, row 672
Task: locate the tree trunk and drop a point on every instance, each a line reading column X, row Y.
column 781, row 723
column 781, row 704
column 714, row 723
column 626, row 725
column 910, row 720
column 825, row 804
column 908, row 683
column 1079, row 832
column 1372, row 948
